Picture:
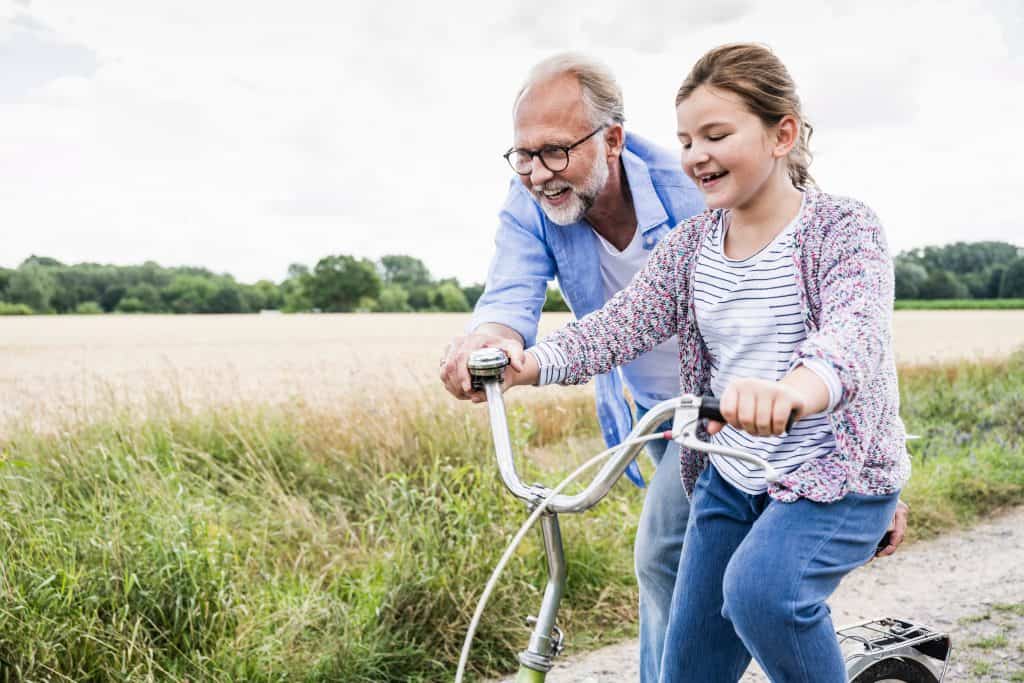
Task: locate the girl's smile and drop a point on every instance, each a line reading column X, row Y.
column 739, row 163
column 725, row 147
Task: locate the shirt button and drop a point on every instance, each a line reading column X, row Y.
column 648, row 242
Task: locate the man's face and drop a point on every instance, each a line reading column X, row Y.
column 552, row 112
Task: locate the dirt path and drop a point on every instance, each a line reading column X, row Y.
column 970, row 584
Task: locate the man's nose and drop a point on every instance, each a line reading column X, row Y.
column 539, row 173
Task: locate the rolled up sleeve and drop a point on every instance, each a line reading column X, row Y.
column 517, row 279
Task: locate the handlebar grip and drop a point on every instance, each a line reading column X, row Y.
column 709, row 408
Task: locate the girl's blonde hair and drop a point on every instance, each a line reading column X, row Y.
column 761, row 81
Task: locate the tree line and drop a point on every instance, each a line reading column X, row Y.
column 339, row 283
column 963, row 270
column 401, row 283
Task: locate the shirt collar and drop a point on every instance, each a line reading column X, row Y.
column 650, row 213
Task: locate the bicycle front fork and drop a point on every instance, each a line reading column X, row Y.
column 546, row 640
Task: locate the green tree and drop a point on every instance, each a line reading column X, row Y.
column 392, row 299
column 88, row 308
column 995, row 281
column 226, row 298
column 448, row 297
column 112, row 296
column 964, row 257
column 130, row 304
column 42, row 261
column 5, row 277
column 554, row 302
column 473, row 293
column 338, row 283
column 1012, row 284
column 33, row 286
column 147, row 295
column 295, row 289
column 910, row 276
column 406, row 271
column 7, row 308
column 942, row 284
column 261, row 296
column 189, row 294
column 420, row 297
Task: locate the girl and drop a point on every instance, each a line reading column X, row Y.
column 781, row 298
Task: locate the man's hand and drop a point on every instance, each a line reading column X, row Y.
column 897, row 529
column 454, row 363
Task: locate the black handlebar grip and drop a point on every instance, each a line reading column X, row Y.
column 709, row 408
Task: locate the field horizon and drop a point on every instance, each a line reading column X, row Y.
column 81, row 367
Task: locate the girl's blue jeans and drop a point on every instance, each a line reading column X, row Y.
column 753, row 578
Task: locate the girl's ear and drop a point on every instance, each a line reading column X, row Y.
column 787, row 132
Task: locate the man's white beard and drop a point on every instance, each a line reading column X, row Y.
column 580, row 199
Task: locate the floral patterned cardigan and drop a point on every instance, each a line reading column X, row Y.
column 845, row 280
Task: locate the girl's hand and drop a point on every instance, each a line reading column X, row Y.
column 759, row 407
column 522, row 368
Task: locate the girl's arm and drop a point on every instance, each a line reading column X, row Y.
column 634, row 321
column 856, row 297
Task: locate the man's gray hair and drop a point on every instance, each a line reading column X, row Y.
column 601, row 92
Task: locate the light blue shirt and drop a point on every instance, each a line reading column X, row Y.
column 530, row 251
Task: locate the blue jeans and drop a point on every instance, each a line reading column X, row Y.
column 753, row 578
column 659, row 540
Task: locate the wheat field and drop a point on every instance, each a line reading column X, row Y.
column 78, row 367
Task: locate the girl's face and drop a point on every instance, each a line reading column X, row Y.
column 726, row 150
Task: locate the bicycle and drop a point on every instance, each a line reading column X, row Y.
column 884, row 649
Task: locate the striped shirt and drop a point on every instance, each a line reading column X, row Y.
column 751, row 319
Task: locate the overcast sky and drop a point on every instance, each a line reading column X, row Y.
column 244, row 136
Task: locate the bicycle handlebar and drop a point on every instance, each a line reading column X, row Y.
column 603, row 480
column 486, row 366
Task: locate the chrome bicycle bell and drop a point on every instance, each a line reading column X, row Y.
column 484, row 363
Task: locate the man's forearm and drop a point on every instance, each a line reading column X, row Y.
column 499, row 330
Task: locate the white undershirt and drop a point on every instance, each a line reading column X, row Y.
column 654, row 376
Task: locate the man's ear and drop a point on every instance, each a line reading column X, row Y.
column 615, row 140
column 787, row 132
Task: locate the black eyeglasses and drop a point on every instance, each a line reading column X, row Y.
column 554, row 157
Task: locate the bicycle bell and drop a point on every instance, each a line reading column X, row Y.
column 484, row 363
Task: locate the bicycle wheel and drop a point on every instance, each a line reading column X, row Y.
column 896, row 669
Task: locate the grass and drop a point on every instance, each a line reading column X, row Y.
column 958, row 304
column 293, row 543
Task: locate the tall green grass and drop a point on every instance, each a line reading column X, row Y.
column 291, row 544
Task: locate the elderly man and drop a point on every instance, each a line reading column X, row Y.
column 588, row 206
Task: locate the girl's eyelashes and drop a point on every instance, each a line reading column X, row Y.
column 710, row 138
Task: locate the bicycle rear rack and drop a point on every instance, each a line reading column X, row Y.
column 869, row 642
